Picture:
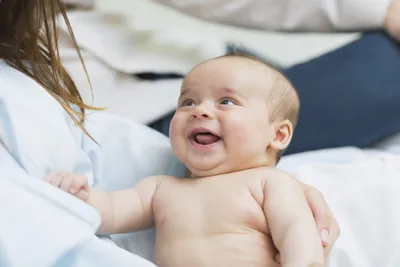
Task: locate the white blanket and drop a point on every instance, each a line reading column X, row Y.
column 362, row 188
column 42, row 226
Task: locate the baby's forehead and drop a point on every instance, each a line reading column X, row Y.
column 232, row 71
column 240, row 62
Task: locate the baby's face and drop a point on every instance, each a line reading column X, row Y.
column 222, row 123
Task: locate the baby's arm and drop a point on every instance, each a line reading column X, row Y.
column 291, row 223
column 121, row 211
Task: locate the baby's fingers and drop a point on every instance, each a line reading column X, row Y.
column 79, row 183
column 66, row 184
column 83, row 195
column 54, row 179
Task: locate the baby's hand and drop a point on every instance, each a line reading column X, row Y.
column 70, row 182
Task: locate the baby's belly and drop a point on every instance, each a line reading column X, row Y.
column 230, row 250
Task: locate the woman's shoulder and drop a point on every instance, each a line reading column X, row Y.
column 14, row 82
column 35, row 127
column 19, row 92
column 10, row 75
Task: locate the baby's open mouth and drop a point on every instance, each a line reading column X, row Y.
column 205, row 138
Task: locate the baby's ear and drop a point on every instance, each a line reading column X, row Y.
column 283, row 135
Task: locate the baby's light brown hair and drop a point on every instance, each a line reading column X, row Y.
column 283, row 99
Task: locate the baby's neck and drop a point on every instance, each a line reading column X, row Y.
column 191, row 175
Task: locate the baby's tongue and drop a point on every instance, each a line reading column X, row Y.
column 206, row 138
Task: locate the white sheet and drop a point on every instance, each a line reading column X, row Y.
column 362, row 188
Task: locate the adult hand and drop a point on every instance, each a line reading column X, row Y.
column 327, row 225
column 392, row 20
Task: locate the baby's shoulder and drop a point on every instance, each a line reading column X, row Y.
column 267, row 179
column 164, row 179
column 170, row 182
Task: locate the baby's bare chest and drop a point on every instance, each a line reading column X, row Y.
column 207, row 208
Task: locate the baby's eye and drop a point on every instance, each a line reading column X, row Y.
column 188, row 103
column 227, row 102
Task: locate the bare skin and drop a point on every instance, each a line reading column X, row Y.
column 204, row 222
column 392, row 20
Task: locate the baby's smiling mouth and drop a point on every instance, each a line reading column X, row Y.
column 204, row 137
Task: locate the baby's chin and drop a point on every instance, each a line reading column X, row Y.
column 202, row 171
column 205, row 165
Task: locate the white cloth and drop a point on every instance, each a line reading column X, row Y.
column 43, row 226
column 362, row 188
column 317, row 15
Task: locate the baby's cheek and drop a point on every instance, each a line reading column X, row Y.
column 239, row 129
column 175, row 130
column 178, row 135
column 244, row 133
column 173, row 125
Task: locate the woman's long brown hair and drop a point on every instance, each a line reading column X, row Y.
column 29, row 43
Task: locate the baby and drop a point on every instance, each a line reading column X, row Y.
column 234, row 114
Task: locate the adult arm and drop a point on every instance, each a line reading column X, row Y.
column 327, row 225
column 392, row 20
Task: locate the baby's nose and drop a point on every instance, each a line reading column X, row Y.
column 203, row 112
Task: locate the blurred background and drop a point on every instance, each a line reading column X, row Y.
column 137, row 52
column 287, row 49
column 121, row 37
